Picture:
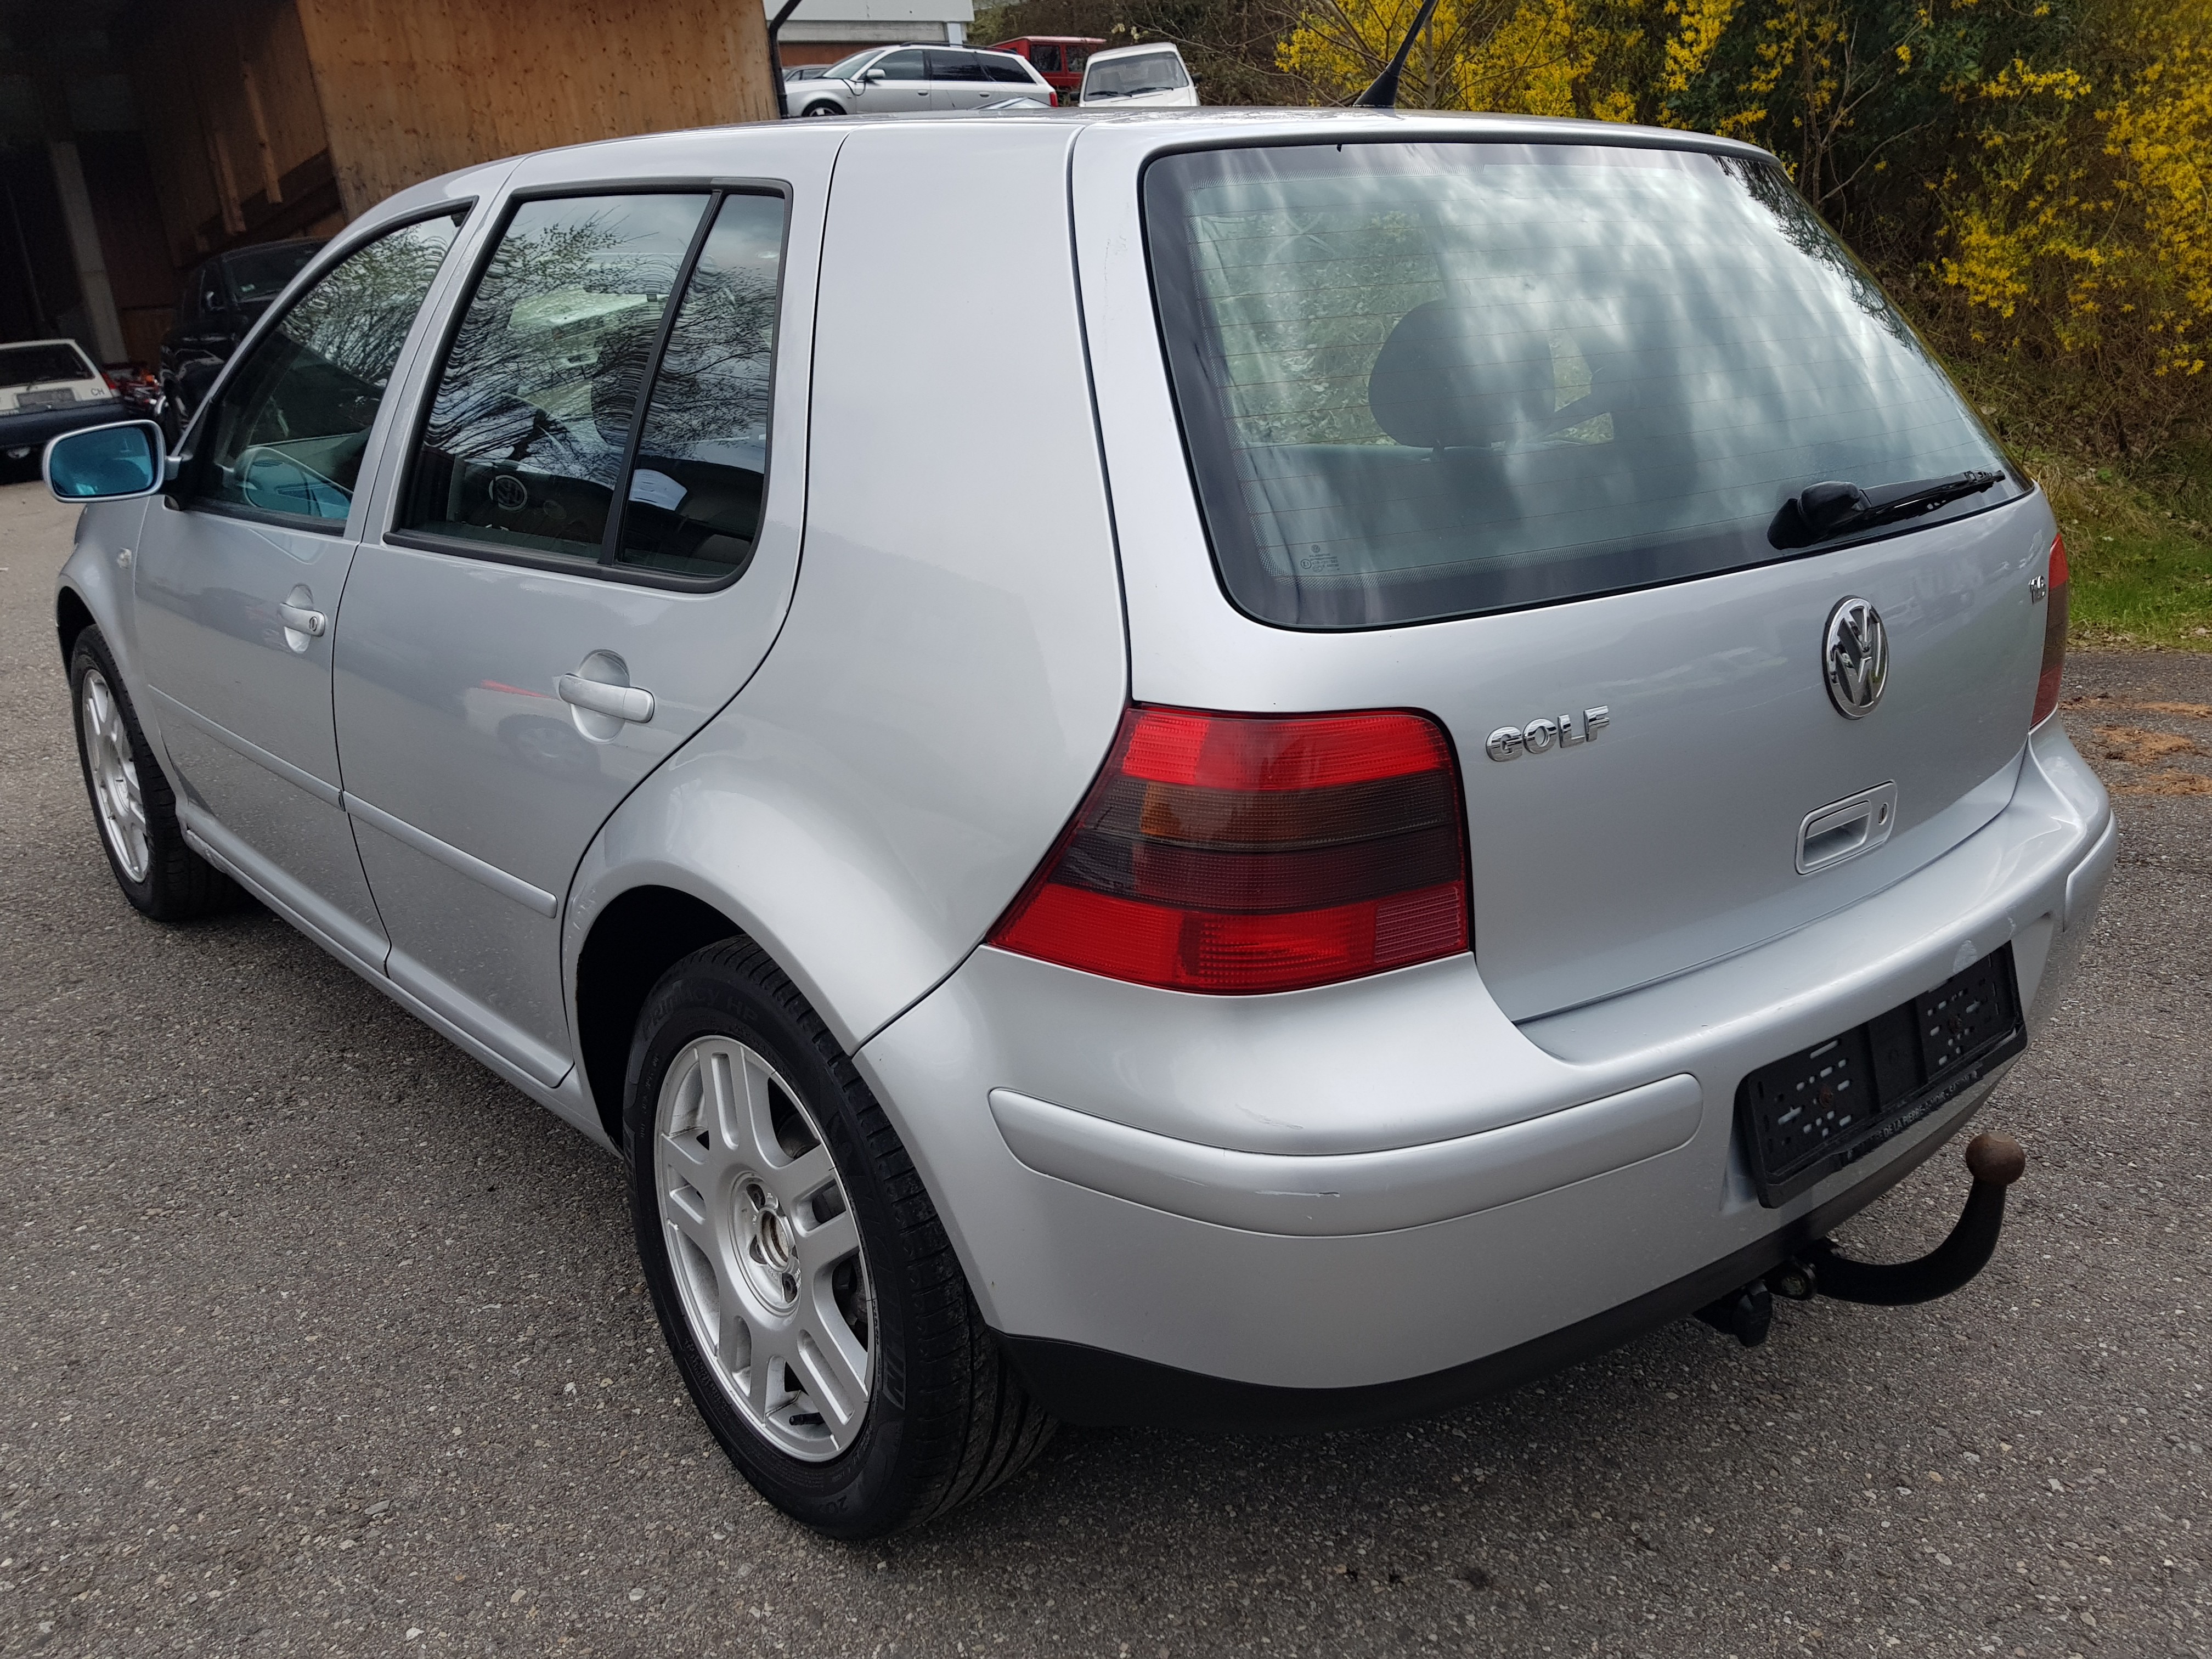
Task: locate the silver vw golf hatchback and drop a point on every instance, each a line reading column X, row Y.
column 1460, row 764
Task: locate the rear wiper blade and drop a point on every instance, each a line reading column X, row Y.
column 1820, row 511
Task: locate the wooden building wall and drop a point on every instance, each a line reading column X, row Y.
column 411, row 88
column 234, row 128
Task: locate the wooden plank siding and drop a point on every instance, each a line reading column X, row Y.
column 234, row 129
column 412, row 88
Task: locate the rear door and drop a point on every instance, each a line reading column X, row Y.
column 1501, row 430
column 958, row 81
column 587, row 553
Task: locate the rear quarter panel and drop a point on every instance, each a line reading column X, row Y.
column 953, row 665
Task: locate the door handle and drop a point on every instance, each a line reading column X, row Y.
column 622, row 702
column 300, row 619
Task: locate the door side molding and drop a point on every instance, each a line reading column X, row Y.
column 297, row 776
column 507, row 886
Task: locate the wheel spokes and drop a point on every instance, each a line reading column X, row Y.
column 758, row 1221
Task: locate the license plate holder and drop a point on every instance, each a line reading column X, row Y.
column 1801, row 1118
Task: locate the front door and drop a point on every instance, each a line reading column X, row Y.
column 583, row 566
column 896, row 83
column 238, row 576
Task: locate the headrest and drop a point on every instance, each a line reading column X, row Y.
column 1447, row 378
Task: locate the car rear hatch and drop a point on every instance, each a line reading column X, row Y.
column 1522, row 427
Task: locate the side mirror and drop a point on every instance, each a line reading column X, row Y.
column 106, row 463
column 874, row 75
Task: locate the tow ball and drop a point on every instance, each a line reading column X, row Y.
column 1821, row 1269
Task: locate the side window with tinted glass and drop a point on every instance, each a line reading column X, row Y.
column 954, row 66
column 534, row 444
column 527, row 430
column 898, row 66
column 693, row 500
column 288, row 436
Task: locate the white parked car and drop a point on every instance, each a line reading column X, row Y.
column 912, row 80
column 1521, row 790
column 1139, row 78
column 46, row 387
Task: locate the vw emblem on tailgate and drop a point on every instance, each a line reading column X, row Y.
column 1854, row 657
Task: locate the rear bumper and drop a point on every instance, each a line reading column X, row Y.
column 1350, row 1204
column 31, row 429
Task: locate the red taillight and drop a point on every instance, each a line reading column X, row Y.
column 2054, row 637
column 1235, row 853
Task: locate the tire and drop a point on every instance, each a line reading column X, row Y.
column 133, row 808
column 820, row 109
column 938, row 1416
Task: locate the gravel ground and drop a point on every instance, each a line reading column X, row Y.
column 319, row 1339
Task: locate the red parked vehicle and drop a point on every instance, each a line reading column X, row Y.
column 1059, row 57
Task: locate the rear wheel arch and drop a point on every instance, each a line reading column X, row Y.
column 639, row 936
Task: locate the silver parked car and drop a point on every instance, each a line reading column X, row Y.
column 1519, row 791
column 907, row 80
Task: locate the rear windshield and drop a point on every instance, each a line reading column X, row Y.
column 1128, row 77
column 1433, row 379
column 34, row 365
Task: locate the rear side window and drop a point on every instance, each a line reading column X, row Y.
column 1008, row 70
column 694, row 493
column 527, row 433
column 542, row 441
column 1427, row 381
column 955, row 66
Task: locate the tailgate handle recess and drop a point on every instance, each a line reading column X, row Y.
column 1843, row 829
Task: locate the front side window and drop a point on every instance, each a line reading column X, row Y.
column 899, row 66
column 542, row 440
column 287, row 434
column 1432, row 379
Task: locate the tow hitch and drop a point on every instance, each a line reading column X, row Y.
column 1821, row 1269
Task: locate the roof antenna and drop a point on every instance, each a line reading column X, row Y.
column 1383, row 92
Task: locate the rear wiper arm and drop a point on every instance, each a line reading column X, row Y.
column 1822, row 511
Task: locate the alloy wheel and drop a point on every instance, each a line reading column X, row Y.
column 765, row 1248
column 115, row 792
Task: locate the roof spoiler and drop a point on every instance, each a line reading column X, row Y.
column 1383, row 92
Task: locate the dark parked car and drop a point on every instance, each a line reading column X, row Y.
column 221, row 301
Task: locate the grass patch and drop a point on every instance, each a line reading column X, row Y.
column 2138, row 546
